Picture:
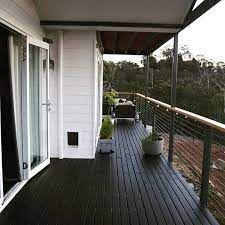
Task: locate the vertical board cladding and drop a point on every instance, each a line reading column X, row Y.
column 22, row 16
column 53, row 94
column 79, row 91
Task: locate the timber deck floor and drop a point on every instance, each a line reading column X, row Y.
column 124, row 188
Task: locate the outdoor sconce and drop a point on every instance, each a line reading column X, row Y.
column 51, row 64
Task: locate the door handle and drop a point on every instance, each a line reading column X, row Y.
column 48, row 104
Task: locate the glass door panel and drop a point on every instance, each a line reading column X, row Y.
column 10, row 117
column 44, row 105
column 38, row 105
column 34, row 94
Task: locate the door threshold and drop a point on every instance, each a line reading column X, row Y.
column 11, row 190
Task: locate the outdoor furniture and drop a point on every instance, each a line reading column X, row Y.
column 125, row 110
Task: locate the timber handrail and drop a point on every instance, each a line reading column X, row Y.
column 204, row 120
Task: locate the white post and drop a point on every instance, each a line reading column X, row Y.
column 173, row 97
column 60, row 95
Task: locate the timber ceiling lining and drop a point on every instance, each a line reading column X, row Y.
column 132, row 43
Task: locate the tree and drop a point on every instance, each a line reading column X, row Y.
column 109, row 72
column 200, row 87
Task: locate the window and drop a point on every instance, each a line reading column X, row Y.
column 72, row 138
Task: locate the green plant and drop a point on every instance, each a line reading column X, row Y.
column 151, row 138
column 107, row 128
column 109, row 98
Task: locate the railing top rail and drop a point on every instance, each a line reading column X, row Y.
column 157, row 102
column 209, row 122
column 127, row 93
column 204, row 120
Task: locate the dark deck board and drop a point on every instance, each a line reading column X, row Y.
column 124, row 188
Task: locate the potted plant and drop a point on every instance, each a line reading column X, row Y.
column 152, row 144
column 109, row 101
column 106, row 140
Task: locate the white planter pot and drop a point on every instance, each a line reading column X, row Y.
column 105, row 146
column 154, row 148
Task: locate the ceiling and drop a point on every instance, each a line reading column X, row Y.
column 123, row 11
column 132, row 43
column 123, row 26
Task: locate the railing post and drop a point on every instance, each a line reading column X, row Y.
column 206, row 167
column 146, row 89
column 133, row 96
column 173, row 97
column 145, row 122
column 154, row 119
column 135, row 103
column 138, row 104
column 171, row 137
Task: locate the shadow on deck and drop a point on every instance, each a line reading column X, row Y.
column 121, row 189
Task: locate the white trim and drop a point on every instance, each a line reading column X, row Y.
column 25, row 109
column 95, row 68
column 72, row 146
column 99, row 59
column 16, row 190
column 48, row 99
column 97, row 137
column 60, row 96
column 102, row 28
column 6, row 23
column 38, row 168
column 28, row 108
column 33, row 171
column 37, row 43
column 11, row 191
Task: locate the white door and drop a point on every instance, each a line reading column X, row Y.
column 37, row 105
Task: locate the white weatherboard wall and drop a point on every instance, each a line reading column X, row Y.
column 22, row 16
column 80, row 92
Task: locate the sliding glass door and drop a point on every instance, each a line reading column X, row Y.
column 38, row 106
column 24, row 142
column 11, row 156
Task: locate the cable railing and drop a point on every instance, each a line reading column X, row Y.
column 194, row 144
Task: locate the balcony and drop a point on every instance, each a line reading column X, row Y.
column 194, row 145
column 125, row 187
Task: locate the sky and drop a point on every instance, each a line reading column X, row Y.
column 206, row 36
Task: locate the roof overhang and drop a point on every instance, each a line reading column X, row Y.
column 124, row 27
column 111, row 26
column 132, row 43
column 172, row 12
